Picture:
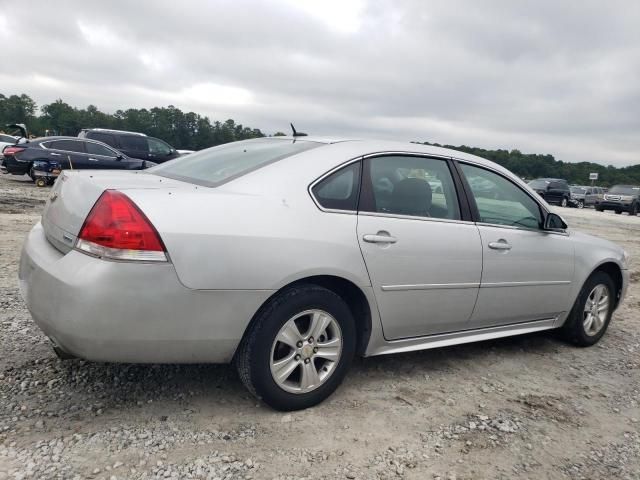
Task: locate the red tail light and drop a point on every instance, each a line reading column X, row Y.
column 116, row 228
column 9, row 150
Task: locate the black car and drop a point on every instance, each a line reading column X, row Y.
column 553, row 190
column 132, row 144
column 621, row 198
column 51, row 154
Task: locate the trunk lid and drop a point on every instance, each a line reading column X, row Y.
column 75, row 192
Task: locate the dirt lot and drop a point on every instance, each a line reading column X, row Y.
column 525, row 407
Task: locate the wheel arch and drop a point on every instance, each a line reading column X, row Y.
column 350, row 293
column 615, row 272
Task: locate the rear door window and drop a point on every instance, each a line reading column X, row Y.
column 68, row 145
column 158, row 147
column 410, row 185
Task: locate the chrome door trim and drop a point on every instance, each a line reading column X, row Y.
column 429, row 286
column 461, row 337
column 522, row 229
column 524, row 284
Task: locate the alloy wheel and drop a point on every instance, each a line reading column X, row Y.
column 596, row 309
column 306, row 351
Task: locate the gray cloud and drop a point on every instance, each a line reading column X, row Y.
column 547, row 77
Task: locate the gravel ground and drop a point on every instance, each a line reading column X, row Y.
column 525, row 407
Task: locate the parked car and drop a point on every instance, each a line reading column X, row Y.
column 133, row 144
column 290, row 256
column 553, row 190
column 621, row 198
column 585, row 196
column 52, row 154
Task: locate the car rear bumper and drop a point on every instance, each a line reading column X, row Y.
column 128, row 312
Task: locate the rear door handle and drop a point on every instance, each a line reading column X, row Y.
column 53, row 154
column 380, row 237
column 93, row 159
column 500, row 245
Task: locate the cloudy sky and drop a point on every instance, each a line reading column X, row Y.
column 544, row 76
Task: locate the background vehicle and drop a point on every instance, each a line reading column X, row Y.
column 553, row 190
column 585, row 196
column 132, row 144
column 621, row 198
column 213, row 261
column 65, row 153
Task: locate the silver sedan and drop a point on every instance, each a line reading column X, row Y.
column 289, row 256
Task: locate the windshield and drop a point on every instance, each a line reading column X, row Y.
column 218, row 165
column 578, row 190
column 625, row 190
column 540, row 183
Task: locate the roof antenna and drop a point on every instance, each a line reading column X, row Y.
column 295, row 133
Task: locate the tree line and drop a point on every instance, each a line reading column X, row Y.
column 533, row 165
column 183, row 130
column 191, row 131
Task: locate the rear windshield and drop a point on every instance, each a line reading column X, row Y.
column 217, row 165
column 578, row 190
column 625, row 190
column 540, row 183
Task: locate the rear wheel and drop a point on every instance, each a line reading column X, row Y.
column 41, row 182
column 618, row 212
column 634, row 209
column 563, row 202
column 591, row 314
column 599, row 209
column 298, row 349
column 580, row 203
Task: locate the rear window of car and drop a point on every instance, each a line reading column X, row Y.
column 7, row 138
column 578, row 190
column 625, row 190
column 541, row 183
column 221, row 164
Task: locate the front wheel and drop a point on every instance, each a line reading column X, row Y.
column 618, row 212
column 563, row 202
column 590, row 316
column 580, row 204
column 298, row 349
column 634, row 210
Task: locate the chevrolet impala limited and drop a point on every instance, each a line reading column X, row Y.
column 289, row 256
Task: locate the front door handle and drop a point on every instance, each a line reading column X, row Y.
column 53, row 154
column 380, row 237
column 93, row 159
column 500, row 245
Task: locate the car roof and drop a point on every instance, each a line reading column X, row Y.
column 56, row 137
column 118, row 132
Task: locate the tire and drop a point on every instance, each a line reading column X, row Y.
column 580, row 204
column 563, row 202
column 599, row 209
column 260, row 349
column 574, row 329
column 634, row 210
column 41, row 182
column 618, row 212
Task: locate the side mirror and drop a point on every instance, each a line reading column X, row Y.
column 554, row 223
column 119, row 157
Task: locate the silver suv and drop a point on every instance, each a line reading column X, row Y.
column 621, row 198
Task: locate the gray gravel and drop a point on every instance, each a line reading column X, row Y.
column 527, row 407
